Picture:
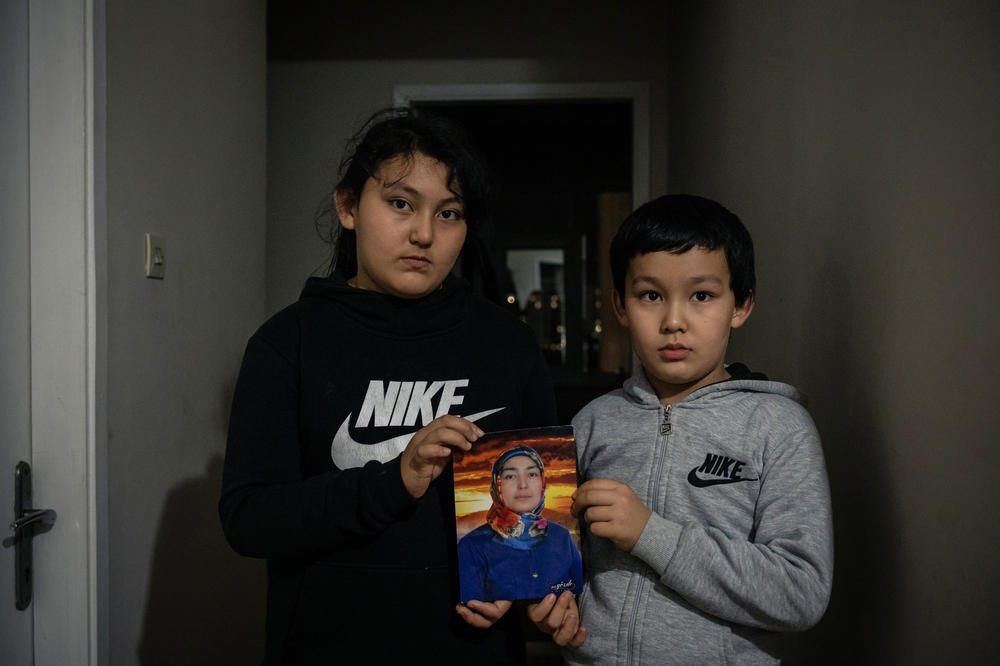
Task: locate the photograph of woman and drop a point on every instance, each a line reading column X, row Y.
column 518, row 553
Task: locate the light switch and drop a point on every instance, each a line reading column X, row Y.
column 156, row 256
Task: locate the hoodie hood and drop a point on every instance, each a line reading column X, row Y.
column 387, row 315
column 638, row 388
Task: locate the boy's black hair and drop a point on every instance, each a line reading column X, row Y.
column 401, row 132
column 676, row 223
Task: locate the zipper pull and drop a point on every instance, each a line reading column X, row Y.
column 665, row 427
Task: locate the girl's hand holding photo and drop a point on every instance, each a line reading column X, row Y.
column 482, row 614
column 430, row 449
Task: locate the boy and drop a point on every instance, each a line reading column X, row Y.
column 705, row 494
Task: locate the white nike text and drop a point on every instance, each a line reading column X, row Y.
column 398, row 403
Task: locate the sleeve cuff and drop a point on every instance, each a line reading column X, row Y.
column 392, row 491
column 658, row 542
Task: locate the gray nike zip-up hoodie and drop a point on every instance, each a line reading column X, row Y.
column 740, row 542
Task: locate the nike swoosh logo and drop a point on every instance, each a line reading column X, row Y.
column 699, row 482
column 348, row 453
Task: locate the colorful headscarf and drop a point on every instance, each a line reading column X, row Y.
column 518, row 529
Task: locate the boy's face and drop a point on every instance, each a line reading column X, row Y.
column 410, row 227
column 679, row 309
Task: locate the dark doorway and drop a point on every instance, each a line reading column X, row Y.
column 564, row 173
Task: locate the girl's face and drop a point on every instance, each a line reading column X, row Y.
column 521, row 484
column 410, row 227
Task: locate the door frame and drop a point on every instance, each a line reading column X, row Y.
column 637, row 92
column 67, row 259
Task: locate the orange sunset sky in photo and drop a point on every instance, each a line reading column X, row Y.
column 557, row 448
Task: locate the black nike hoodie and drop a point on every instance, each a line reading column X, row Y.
column 358, row 569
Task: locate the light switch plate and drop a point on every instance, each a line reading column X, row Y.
column 156, row 256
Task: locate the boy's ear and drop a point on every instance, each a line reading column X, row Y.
column 343, row 201
column 619, row 306
column 742, row 312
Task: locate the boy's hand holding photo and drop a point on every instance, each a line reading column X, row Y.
column 560, row 618
column 611, row 510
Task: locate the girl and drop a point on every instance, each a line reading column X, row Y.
column 518, row 554
column 350, row 402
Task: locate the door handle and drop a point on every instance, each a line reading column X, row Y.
column 45, row 516
column 25, row 521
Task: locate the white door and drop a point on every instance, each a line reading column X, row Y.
column 15, row 348
column 49, row 335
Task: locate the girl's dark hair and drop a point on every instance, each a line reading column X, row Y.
column 678, row 222
column 401, row 132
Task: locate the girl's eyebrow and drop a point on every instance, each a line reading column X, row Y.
column 399, row 185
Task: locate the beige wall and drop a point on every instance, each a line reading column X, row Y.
column 186, row 94
column 859, row 142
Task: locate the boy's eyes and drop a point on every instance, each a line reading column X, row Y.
column 653, row 296
column 400, row 204
column 451, row 214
